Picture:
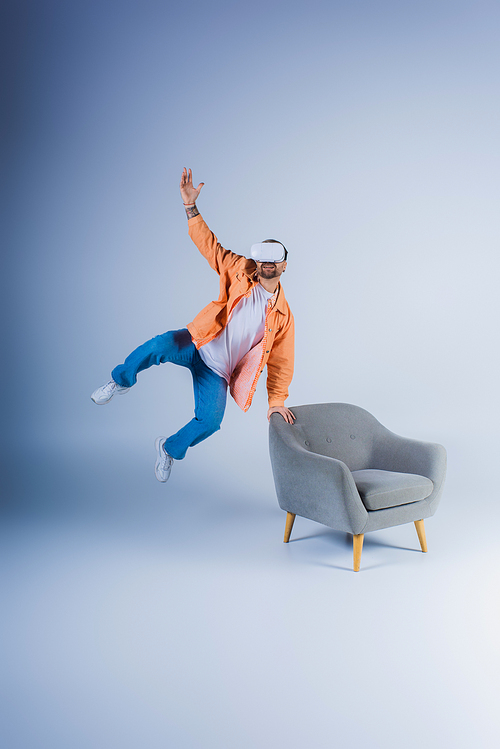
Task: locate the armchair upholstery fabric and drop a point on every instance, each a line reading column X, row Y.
column 339, row 466
column 381, row 489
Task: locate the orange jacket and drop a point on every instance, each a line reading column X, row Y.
column 237, row 279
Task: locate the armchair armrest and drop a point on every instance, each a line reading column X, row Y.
column 394, row 453
column 311, row 485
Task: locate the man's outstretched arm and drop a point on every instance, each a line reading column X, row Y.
column 204, row 239
column 189, row 193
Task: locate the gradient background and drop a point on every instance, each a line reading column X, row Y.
column 363, row 135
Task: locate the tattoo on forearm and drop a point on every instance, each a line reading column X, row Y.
column 192, row 211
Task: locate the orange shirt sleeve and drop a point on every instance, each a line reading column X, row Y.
column 280, row 364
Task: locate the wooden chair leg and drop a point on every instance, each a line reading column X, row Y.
column 419, row 525
column 290, row 518
column 357, row 548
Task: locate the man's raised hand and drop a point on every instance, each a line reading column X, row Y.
column 189, row 193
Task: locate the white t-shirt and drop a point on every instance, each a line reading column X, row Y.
column 244, row 330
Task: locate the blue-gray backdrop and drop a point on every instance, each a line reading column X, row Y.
column 364, row 135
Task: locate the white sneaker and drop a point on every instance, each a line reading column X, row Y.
column 104, row 394
column 164, row 461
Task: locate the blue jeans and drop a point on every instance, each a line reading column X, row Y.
column 210, row 390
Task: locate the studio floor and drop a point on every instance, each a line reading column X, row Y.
column 136, row 614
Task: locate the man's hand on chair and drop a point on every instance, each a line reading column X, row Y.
column 285, row 412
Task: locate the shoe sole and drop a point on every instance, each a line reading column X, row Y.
column 100, row 403
column 159, row 448
column 103, row 403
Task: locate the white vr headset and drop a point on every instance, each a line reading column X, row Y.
column 267, row 252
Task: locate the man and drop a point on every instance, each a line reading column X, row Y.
column 228, row 344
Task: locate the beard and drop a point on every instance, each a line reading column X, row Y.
column 269, row 271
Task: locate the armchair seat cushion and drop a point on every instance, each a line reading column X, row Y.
column 381, row 489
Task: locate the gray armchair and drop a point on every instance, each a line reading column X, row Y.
column 339, row 466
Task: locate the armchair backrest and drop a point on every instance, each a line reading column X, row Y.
column 338, row 430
